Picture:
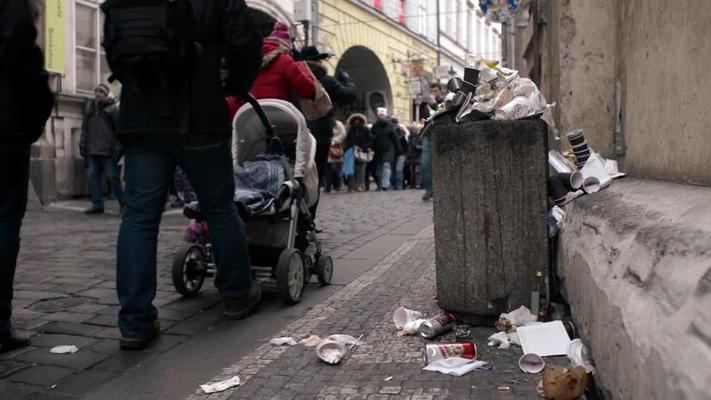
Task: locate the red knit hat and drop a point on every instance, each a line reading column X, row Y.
column 280, row 34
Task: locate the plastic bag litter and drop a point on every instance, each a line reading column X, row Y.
column 579, row 356
column 456, row 366
column 500, row 339
column 64, row 349
column 311, row 341
column 508, row 322
column 220, row 386
column 281, row 341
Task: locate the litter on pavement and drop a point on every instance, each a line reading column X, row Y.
column 500, row 339
column 545, row 339
column 283, row 341
column 221, row 386
column 311, row 341
column 579, row 356
column 407, row 321
column 560, row 383
column 64, row 349
column 330, row 351
column 531, row 363
column 456, row 366
column 437, row 325
column 434, row 352
column 509, row 322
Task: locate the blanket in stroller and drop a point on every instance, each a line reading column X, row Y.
column 257, row 183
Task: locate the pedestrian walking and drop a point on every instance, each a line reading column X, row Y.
column 398, row 178
column 25, row 104
column 173, row 112
column 336, row 155
column 386, row 144
column 361, row 140
column 341, row 90
column 280, row 76
column 100, row 149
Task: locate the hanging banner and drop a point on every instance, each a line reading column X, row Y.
column 499, row 10
column 54, row 36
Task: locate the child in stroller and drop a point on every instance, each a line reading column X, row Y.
column 276, row 187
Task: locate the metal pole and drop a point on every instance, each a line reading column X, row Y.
column 306, row 33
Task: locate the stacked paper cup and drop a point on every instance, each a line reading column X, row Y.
column 580, row 146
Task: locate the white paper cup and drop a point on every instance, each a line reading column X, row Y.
column 591, row 185
column 531, row 363
column 402, row 316
column 330, row 351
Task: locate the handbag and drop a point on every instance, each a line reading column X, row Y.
column 335, row 153
column 320, row 105
column 363, row 156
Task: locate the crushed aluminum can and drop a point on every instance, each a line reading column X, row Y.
column 437, row 325
column 434, row 352
column 462, row 333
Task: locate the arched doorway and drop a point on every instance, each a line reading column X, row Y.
column 372, row 83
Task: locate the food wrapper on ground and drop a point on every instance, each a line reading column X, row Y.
column 220, row 386
column 500, row 339
column 311, row 341
column 65, row 349
column 456, row 366
column 562, row 384
column 282, row 341
column 508, row 322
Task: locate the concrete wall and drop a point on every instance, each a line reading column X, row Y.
column 665, row 55
column 587, row 44
column 655, row 57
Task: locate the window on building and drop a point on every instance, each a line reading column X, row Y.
column 90, row 60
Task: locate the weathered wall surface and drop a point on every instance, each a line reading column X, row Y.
column 635, row 262
column 665, row 55
column 587, row 70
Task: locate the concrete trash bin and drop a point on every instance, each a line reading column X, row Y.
column 490, row 207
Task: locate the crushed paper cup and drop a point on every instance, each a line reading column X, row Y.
column 221, row 386
column 402, row 316
column 311, row 341
column 281, row 341
column 65, row 349
column 330, row 351
column 531, row 363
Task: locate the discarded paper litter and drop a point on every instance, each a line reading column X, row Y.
column 283, row 341
column 220, row 386
column 456, row 366
column 509, row 322
column 65, row 349
column 545, row 339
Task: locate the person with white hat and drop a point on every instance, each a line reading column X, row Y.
column 386, row 143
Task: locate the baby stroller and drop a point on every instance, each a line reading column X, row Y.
column 280, row 232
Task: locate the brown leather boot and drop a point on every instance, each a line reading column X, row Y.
column 241, row 308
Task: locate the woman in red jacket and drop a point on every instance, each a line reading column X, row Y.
column 280, row 76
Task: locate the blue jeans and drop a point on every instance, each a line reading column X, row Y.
column 427, row 164
column 97, row 164
column 400, row 172
column 149, row 173
column 383, row 171
column 14, row 178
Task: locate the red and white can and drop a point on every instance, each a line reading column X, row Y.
column 435, row 352
column 437, row 325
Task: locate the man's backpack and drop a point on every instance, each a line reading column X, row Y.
column 149, row 43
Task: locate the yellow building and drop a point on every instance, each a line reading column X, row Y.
column 379, row 51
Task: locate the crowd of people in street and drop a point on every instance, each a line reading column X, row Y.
column 177, row 115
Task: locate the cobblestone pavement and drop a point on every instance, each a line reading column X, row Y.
column 385, row 366
column 64, row 291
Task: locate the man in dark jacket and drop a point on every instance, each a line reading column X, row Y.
column 387, row 144
column 98, row 146
column 341, row 90
column 25, row 104
column 188, row 125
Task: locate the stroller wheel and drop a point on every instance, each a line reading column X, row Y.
column 324, row 270
column 290, row 273
column 189, row 268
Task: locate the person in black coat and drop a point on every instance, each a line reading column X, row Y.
column 341, row 90
column 188, row 125
column 361, row 140
column 25, row 104
column 99, row 147
column 386, row 144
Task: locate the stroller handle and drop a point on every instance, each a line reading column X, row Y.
column 249, row 98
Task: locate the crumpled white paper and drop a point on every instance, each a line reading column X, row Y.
column 518, row 317
column 221, row 386
column 500, row 339
column 65, row 349
column 281, row 341
column 456, row 366
column 411, row 328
